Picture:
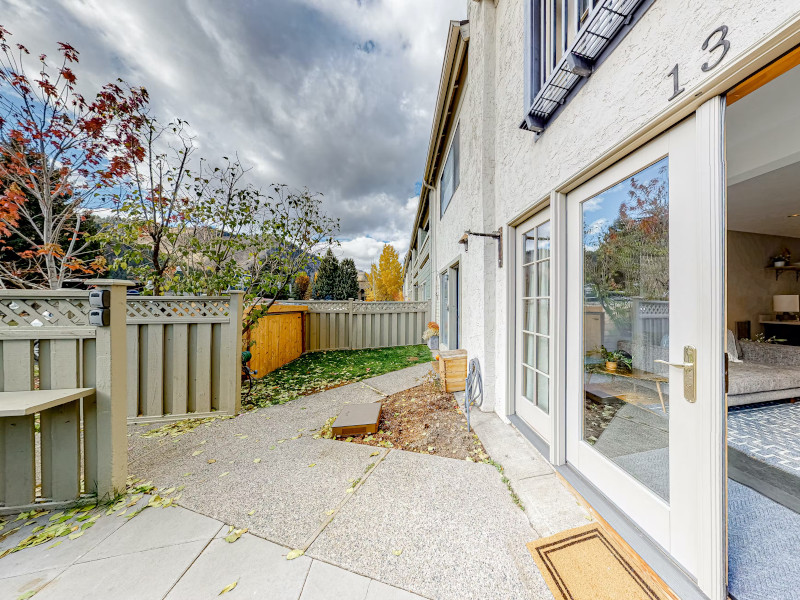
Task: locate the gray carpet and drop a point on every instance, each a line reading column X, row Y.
column 763, row 542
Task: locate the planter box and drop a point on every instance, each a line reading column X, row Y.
column 453, row 370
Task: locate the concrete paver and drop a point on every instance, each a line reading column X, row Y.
column 325, row 582
column 255, row 564
column 138, row 576
column 46, row 556
column 14, row 587
column 173, row 526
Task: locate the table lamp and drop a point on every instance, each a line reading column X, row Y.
column 784, row 304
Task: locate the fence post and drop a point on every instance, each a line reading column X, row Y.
column 231, row 401
column 350, row 325
column 107, row 441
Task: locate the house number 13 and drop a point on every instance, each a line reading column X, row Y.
column 720, row 49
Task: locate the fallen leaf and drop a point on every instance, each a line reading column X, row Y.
column 294, row 554
column 186, row 474
column 75, row 535
column 330, row 512
column 281, row 441
column 234, row 535
column 272, row 447
column 375, row 454
column 256, row 460
column 228, row 588
column 211, row 461
column 397, row 552
column 312, row 465
column 225, row 473
column 27, row 595
column 197, row 453
column 251, row 513
column 350, row 490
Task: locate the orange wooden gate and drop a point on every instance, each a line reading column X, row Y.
column 277, row 338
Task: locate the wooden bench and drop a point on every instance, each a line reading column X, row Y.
column 19, row 404
column 60, row 444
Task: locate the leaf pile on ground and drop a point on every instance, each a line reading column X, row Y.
column 177, row 428
column 73, row 523
column 424, row 419
column 319, row 371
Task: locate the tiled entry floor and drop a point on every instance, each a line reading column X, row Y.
column 176, row 554
column 768, row 432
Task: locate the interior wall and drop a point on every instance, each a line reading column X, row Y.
column 750, row 285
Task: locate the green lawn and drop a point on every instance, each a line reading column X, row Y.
column 318, row 371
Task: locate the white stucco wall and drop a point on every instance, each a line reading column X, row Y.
column 505, row 170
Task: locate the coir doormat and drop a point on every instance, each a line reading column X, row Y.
column 585, row 564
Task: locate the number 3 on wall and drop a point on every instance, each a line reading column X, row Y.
column 722, row 42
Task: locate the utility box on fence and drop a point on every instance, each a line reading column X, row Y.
column 453, row 370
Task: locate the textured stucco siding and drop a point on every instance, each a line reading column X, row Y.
column 505, row 171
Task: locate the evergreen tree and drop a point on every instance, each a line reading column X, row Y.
column 347, row 281
column 325, row 282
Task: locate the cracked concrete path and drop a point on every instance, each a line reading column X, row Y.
column 434, row 526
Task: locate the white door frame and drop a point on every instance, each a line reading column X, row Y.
column 706, row 546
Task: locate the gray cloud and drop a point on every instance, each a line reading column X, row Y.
column 335, row 95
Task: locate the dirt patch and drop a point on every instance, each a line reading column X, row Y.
column 427, row 420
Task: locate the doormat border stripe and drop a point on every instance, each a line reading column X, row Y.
column 541, row 549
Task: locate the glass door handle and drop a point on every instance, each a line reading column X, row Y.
column 688, row 365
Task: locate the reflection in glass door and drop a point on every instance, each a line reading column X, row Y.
column 533, row 324
column 626, row 325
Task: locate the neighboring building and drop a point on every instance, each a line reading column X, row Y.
column 586, row 141
column 363, row 283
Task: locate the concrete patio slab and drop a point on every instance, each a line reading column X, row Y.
column 550, row 507
column 381, row 591
column 325, row 582
column 12, row 588
column 174, row 525
column 257, row 565
column 288, row 498
column 412, row 525
column 507, row 446
column 147, row 575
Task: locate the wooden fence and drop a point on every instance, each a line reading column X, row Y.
column 184, row 356
column 354, row 325
column 277, row 338
column 79, row 387
column 169, row 357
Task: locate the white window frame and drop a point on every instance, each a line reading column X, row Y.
column 454, row 152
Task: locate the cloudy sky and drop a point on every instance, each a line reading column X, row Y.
column 335, row 95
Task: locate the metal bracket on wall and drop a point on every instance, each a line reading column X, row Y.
column 498, row 235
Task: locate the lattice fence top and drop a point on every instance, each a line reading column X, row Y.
column 360, row 306
column 654, row 308
column 179, row 309
column 45, row 311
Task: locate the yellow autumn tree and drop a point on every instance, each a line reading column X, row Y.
column 385, row 280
